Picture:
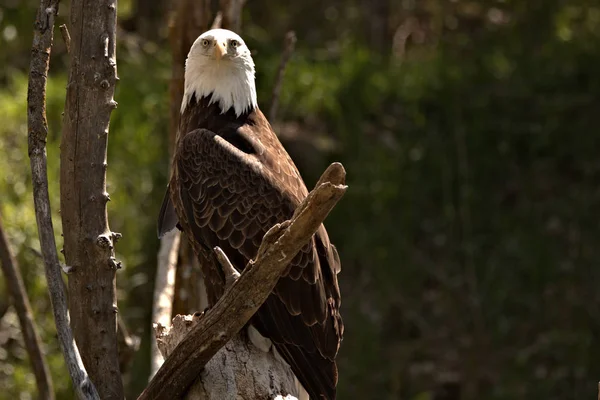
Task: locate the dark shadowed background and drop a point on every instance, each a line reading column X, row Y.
column 469, row 234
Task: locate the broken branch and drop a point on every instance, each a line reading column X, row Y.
column 241, row 301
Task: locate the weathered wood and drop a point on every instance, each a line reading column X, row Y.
column 243, row 298
column 88, row 241
column 20, row 300
column 238, row 371
column 37, row 129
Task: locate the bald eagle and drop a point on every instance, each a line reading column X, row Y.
column 231, row 181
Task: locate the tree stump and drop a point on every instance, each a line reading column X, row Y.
column 239, row 370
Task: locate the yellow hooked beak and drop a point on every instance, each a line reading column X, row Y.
column 220, row 50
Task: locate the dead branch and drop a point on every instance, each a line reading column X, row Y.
column 88, row 240
column 16, row 288
column 247, row 294
column 288, row 50
column 164, row 289
column 37, row 127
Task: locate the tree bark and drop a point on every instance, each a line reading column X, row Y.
column 14, row 284
column 242, row 299
column 88, row 241
column 238, row 371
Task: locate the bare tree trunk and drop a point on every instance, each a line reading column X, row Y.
column 37, row 132
column 14, row 283
column 88, row 241
column 164, row 288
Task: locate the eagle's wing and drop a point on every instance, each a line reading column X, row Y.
column 232, row 189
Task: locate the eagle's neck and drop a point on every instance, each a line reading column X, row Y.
column 230, row 84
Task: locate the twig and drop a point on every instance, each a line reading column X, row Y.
column 164, row 289
column 66, row 36
column 16, row 288
column 247, row 294
column 37, row 126
column 289, row 46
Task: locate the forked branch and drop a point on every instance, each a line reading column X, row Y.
column 242, row 299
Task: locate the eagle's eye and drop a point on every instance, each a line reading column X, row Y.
column 205, row 42
column 234, row 43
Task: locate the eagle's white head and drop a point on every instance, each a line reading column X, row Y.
column 219, row 64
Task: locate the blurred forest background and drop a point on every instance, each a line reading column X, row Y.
column 469, row 234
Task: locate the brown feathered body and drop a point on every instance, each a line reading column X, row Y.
column 231, row 181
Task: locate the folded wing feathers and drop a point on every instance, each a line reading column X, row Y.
column 234, row 203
